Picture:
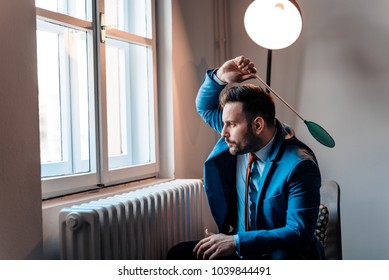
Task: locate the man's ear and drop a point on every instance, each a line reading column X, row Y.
column 258, row 125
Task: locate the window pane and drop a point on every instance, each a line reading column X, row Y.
column 76, row 8
column 132, row 16
column 49, row 97
column 64, row 96
column 129, row 104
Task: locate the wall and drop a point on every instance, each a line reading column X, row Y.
column 20, row 199
column 193, row 53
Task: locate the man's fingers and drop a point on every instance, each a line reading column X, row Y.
column 208, row 233
column 209, row 254
column 201, row 248
column 196, row 248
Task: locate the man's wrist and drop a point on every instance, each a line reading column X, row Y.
column 217, row 79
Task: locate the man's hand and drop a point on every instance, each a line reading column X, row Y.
column 215, row 246
column 237, row 70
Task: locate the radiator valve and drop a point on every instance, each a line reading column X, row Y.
column 73, row 221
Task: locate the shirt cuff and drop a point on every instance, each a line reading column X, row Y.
column 237, row 244
column 217, row 80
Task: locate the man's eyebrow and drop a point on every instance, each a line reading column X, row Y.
column 230, row 122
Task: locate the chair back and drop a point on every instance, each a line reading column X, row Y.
column 330, row 197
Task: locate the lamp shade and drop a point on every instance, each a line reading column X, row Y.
column 273, row 24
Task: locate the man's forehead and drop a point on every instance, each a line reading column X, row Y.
column 233, row 111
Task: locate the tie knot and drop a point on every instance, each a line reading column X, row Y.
column 252, row 158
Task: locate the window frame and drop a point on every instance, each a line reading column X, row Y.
column 69, row 184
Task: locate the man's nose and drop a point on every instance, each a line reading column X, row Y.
column 224, row 132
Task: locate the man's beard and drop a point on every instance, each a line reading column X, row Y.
column 251, row 145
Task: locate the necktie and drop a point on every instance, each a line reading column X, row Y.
column 251, row 192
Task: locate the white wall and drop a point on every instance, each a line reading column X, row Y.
column 193, row 53
column 20, row 199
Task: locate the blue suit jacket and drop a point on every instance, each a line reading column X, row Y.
column 289, row 188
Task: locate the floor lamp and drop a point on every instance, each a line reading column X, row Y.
column 276, row 24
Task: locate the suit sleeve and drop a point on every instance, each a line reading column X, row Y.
column 207, row 102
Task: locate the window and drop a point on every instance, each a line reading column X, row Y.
column 97, row 100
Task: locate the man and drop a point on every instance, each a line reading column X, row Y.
column 274, row 216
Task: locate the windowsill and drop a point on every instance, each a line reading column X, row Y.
column 100, row 193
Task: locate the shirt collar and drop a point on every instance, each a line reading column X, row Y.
column 263, row 153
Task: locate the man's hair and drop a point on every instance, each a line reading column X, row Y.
column 256, row 102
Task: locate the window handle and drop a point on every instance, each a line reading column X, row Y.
column 104, row 28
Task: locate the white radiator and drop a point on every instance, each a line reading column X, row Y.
column 140, row 224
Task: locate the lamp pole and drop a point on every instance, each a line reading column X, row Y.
column 268, row 67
